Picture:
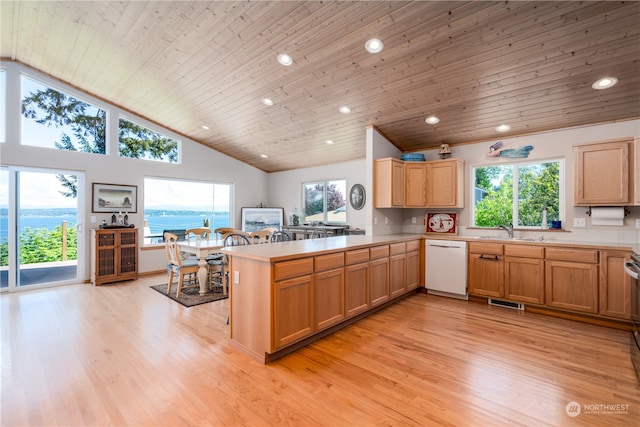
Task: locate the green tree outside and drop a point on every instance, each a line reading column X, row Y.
column 538, row 187
column 43, row 245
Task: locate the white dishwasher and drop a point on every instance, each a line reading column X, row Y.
column 446, row 268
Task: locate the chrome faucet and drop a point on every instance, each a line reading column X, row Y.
column 508, row 229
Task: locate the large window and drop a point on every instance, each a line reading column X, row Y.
column 54, row 119
column 139, row 142
column 325, row 202
column 181, row 204
column 518, row 194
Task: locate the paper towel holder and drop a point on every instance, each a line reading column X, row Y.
column 626, row 211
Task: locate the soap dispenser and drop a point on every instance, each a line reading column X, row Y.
column 544, row 218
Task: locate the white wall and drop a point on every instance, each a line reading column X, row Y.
column 198, row 162
column 285, row 188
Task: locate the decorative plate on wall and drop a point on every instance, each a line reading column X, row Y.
column 357, row 196
column 442, row 223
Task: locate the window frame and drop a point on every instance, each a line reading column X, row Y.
column 150, row 240
column 325, row 212
column 515, row 199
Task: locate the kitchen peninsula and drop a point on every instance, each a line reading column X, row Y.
column 288, row 294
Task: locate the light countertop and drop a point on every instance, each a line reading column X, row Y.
column 274, row 252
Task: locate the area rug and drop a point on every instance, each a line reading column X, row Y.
column 191, row 296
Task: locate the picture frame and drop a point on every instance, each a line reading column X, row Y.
column 110, row 198
column 441, row 223
column 357, row 196
column 254, row 219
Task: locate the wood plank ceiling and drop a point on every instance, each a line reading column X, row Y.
column 184, row 64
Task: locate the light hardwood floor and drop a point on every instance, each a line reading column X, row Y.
column 122, row 354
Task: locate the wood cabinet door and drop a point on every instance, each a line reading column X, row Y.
column 127, row 259
column 106, row 247
column 379, row 281
column 413, row 270
column 397, row 275
column 443, row 184
column 601, row 173
column 524, row 279
column 415, row 174
column 486, row 275
column 293, row 310
column 388, row 183
column 329, row 298
column 636, row 170
column 356, row 286
column 571, row 285
column 615, row 285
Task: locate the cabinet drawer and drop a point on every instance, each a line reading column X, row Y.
column 576, row 255
column 524, row 251
column 354, row 257
column 486, row 248
column 379, row 252
column 397, row 248
column 289, row 269
column 413, row 245
column 327, row 262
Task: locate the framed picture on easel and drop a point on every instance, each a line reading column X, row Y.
column 254, row 219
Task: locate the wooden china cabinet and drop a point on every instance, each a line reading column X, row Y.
column 114, row 255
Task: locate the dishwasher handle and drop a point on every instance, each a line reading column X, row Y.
column 444, row 246
column 489, row 258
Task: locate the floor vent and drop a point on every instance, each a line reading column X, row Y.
column 506, row 304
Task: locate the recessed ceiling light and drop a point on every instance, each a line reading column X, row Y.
column 205, row 127
column 329, row 142
column 285, row 59
column 264, row 156
column 432, row 120
column 374, row 46
column 604, row 83
column 344, row 109
column 267, row 102
column 503, row 128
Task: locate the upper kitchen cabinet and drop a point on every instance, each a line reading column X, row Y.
column 445, row 180
column 388, row 183
column 415, row 184
column 603, row 173
column 636, row 171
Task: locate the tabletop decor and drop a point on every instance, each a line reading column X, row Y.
column 114, row 198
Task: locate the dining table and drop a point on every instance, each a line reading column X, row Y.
column 202, row 248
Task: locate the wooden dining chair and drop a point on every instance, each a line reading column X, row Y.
column 187, row 268
column 195, row 234
column 260, row 236
column 280, row 236
column 318, row 234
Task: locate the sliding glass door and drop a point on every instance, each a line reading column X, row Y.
column 41, row 228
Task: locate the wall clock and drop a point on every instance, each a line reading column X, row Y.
column 357, row 196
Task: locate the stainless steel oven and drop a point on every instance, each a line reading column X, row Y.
column 632, row 268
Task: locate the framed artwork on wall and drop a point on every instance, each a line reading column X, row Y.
column 254, row 219
column 441, row 223
column 357, row 196
column 114, row 198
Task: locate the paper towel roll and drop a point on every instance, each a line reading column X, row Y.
column 607, row 216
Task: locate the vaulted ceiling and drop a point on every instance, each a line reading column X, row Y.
column 188, row 64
